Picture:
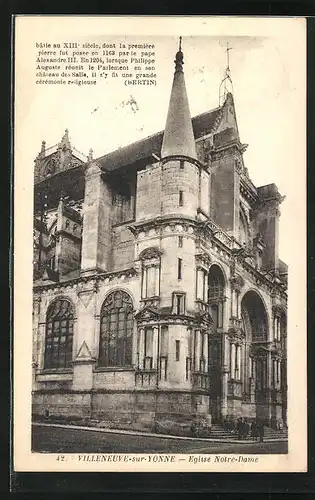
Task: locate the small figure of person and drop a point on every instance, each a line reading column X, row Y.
column 225, row 424
column 239, row 428
column 261, row 431
column 253, row 429
column 246, row 428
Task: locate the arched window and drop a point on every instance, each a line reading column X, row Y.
column 255, row 320
column 59, row 335
column 215, row 283
column 116, row 330
column 216, row 292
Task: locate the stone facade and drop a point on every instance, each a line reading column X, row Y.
column 158, row 289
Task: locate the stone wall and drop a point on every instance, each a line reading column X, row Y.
column 121, row 407
column 123, row 248
column 148, row 204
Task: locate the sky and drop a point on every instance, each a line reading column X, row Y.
column 266, row 89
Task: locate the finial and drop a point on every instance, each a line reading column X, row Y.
column 65, row 141
column 228, row 48
column 43, row 147
column 226, row 81
column 179, row 58
column 90, row 155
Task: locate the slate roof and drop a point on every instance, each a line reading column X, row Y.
column 139, row 152
column 142, row 150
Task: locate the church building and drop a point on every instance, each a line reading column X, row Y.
column 158, row 289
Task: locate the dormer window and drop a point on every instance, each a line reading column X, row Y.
column 179, row 300
column 151, row 267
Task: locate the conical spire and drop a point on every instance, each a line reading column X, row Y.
column 178, row 136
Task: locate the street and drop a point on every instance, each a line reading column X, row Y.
column 66, row 440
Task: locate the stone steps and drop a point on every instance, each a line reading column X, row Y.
column 218, row 432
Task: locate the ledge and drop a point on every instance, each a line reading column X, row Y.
column 54, row 371
column 100, row 369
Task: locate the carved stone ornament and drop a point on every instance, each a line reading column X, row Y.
column 150, row 253
column 237, row 283
column 278, row 310
column 238, row 166
column 85, row 297
column 203, row 259
column 84, row 351
column 147, row 314
column 237, row 337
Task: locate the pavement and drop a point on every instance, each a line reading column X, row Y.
column 60, row 438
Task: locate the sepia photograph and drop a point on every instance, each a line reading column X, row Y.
column 161, row 188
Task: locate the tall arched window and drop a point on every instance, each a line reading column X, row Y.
column 116, row 330
column 59, row 334
column 255, row 320
column 215, row 283
column 216, row 292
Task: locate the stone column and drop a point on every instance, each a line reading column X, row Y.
column 244, row 366
column 249, row 370
column 233, row 303
column 96, row 237
column 238, row 361
column 232, row 350
column 267, row 363
column 155, row 347
column 269, row 370
column 35, row 321
column 197, row 351
column 144, row 282
column 141, row 347
column 279, row 374
column 157, row 281
column 205, row 351
column 225, row 374
column 253, row 380
column 278, row 328
column 41, row 345
column 200, row 284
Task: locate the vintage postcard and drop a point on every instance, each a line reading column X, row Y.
column 159, row 244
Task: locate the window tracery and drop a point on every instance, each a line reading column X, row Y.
column 59, row 335
column 116, row 330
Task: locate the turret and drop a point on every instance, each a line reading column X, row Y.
column 178, row 136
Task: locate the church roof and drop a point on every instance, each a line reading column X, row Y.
column 142, row 150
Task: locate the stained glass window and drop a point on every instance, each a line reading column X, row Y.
column 116, row 330
column 59, row 335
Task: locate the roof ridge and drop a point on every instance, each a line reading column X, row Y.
column 156, row 134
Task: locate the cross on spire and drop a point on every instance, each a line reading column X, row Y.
column 179, row 58
column 226, row 85
column 228, row 48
